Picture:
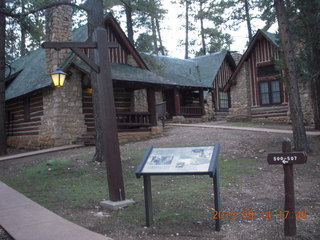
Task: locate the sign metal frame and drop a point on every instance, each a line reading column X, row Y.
column 213, row 172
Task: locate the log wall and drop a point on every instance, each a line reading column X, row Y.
column 24, row 115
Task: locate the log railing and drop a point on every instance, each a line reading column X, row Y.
column 191, row 111
column 133, row 120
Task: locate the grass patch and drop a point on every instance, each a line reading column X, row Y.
column 231, row 170
column 178, row 200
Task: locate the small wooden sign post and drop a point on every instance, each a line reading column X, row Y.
column 287, row 159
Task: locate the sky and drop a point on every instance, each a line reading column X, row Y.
column 174, row 31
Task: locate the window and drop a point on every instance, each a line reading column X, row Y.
column 268, row 70
column 224, row 100
column 270, row 92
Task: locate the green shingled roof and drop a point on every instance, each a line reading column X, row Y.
column 30, row 70
column 272, row 36
column 209, row 66
column 199, row 71
column 32, row 74
column 123, row 72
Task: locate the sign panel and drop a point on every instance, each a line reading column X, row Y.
column 178, row 160
column 287, row 158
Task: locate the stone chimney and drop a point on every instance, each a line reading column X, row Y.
column 62, row 121
column 58, row 29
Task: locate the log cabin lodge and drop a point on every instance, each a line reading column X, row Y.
column 199, row 89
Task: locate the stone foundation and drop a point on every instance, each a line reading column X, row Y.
column 27, row 142
column 239, row 114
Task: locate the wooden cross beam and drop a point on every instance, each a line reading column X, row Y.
column 76, row 48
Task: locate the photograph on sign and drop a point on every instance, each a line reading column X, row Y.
column 179, row 159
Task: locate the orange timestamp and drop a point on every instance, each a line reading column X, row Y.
column 258, row 214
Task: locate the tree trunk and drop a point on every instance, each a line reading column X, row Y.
column 95, row 19
column 315, row 98
column 186, row 55
column 3, row 141
column 309, row 11
column 246, row 6
column 128, row 10
column 154, row 36
column 299, row 133
column 23, row 49
column 159, row 36
column 202, row 30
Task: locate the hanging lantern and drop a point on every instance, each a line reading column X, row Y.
column 58, row 77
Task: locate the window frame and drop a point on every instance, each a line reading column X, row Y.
column 271, row 93
column 225, row 101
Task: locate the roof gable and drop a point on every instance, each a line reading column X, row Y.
column 270, row 37
column 209, row 65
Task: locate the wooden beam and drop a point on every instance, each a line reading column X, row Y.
column 177, row 105
column 110, row 141
column 151, row 98
column 201, row 100
column 86, row 59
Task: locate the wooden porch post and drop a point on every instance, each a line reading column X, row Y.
column 176, row 96
column 201, row 100
column 151, row 99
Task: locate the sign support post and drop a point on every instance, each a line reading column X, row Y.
column 148, row 199
column 217, row 200
column 287, row 159
column 290, row 228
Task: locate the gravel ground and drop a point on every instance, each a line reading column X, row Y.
column 261, row 190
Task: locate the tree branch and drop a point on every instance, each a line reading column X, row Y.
column 8, row 12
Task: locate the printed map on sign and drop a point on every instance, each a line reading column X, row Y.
column 180, row 159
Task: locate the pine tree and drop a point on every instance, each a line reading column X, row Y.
column 307, row 35
column 241, row 12
column 213, row 38
column 291, row 77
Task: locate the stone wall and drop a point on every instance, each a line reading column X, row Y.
column 63, row 120
column 208, row 108
column 140, row 103
column 240, row 97
column 306, row 104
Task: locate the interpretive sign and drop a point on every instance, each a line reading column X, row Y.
column 198, row 160
column 179, row 160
